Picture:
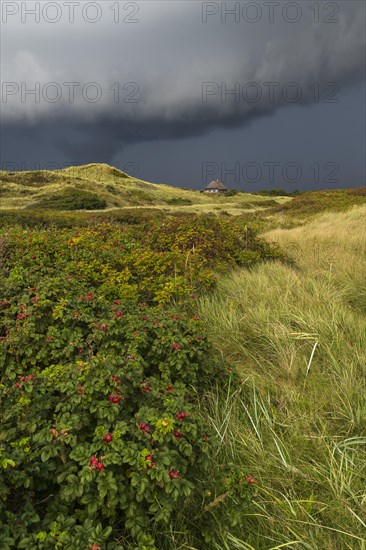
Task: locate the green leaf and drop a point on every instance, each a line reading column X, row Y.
column 107, row 532
column 45, row 455
column 169, row 488
column 92, row 508
column 24, row 543
column 8, row 462
column 186, row 490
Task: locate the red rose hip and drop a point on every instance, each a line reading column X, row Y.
column 108, row 438
column 174, row 474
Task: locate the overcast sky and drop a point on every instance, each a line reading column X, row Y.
column 258, row 94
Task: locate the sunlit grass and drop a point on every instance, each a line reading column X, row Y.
column 119, row 190
column 297, row 335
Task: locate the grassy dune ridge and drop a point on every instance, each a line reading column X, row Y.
column 60, row 189
column 297, row 335
column 315, row 202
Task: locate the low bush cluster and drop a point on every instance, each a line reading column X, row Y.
column 159, row 262
column 30, row 218
column 313, row 202
column 104, row 443
column 100, row 433
column 72, row 199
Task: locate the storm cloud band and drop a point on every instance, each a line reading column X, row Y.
column 109, row 74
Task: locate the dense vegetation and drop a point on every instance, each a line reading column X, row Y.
column 175, row 381
column 314, row 202
column 102, row 383
column 72, row 199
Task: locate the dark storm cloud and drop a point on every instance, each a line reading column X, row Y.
column 175, row 74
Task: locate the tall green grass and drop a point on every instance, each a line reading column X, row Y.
column 297, row 335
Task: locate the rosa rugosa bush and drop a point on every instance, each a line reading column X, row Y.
column 157, row 262
column 100, row 429
column 103, row 441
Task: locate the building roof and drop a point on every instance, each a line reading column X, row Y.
column 216, row 184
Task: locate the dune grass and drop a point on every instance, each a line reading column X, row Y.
column 297, row 335
column 44, row 188
column 315, row 202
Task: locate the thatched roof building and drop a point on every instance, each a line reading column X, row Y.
column 216, row 187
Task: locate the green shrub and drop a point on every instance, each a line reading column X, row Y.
column 313, row 202
column 272, row 193
column 98, row 422
column 158, row 260
column 50, row 218
column 72, row 199
column 178, row 201
column 102, row 436
column 231, row 192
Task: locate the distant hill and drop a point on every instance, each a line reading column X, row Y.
column 314, row 202
column 101, row 187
